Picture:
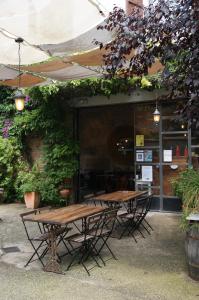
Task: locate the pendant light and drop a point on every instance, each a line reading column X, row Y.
column 18, row 95
column 156, row 115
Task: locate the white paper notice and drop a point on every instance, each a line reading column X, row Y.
column 167, row 155
column 147, row 173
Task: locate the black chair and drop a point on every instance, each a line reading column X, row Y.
column 38, row 235
column 105, row 232
column 147, row 210
column 99, row 193
column 132, row 220
column 88, row 199
column 86, row 242
column 37, row 241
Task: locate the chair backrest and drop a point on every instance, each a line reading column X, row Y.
column 109, row 218
column 94, row 224
column 41, row 227
column 88, row 198
column 100, row 193
column 32, row 212
column 141, row 205
column 149, row 203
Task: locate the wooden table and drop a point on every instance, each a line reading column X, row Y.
column 59, row 217
column 119, row 196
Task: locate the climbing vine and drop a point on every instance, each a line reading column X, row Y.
column 49, row 116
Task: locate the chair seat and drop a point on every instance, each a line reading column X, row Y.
column 45, row 236
column 99, row 232
column 79, row 238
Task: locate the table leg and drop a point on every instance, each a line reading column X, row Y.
column 52, row 264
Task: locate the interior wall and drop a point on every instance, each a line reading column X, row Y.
column 100, row 129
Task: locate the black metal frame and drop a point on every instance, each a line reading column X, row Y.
column 109, row 219
column 33, row 240
column 136, row 217
column 87, row 242
column 44, row 237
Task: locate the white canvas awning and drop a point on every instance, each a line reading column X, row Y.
column 50, row 27
column 58, row 39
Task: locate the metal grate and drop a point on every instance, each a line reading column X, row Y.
column 10, row 249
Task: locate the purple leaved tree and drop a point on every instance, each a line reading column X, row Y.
column 168, row 31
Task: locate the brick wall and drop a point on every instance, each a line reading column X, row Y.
column 34, row 148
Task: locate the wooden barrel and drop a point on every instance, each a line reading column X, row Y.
column 192, row 252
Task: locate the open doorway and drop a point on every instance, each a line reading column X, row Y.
column 106, row 148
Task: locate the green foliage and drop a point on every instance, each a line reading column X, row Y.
column 48, row 114
column 9, row 162
column 186, row 187
column 28, row 180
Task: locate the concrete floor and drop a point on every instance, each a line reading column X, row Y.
column 152, row 269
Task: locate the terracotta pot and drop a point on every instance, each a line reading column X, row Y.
column 64, row 193
column 32, row 199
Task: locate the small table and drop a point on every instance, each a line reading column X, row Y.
column 119, row 197
column 115, row 198
column 59, row 217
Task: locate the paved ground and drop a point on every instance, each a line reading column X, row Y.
column 153, row 269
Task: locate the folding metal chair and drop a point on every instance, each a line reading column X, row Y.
column 147, row 210
column 135, row 218
column 40, row 239
column 86, row 242
column 36, row 241
column 104, row 233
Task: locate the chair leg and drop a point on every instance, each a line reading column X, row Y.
column 141, row 233
column 145, row 228
column 106, row 244
column 148, row 224
column 35, row 253
column 72, row 260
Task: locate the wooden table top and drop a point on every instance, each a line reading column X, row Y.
column 119, row 196
column 65, row 215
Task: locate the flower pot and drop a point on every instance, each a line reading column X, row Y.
column 64, row 193
column 32, row 199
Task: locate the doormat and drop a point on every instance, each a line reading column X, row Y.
column 10, row 249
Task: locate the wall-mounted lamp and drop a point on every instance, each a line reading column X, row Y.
column 156, row 115
column 18, row 95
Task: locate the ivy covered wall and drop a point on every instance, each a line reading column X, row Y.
column 48, row 117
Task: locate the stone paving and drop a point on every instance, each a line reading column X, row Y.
column 153, row 269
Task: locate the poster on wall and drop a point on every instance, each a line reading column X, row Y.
column 139, row 140
column 167, row 155
column 140, row 155
column 148, row 155
column 147, row 173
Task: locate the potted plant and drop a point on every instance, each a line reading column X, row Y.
column 29, row 186
column 65, row 189
column 186, row 186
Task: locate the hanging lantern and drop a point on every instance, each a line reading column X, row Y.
column 156, row 115
column 18, row 95
column 19, row 100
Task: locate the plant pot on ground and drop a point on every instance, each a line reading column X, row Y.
column 186, row 187
column 29, row 185
column 65, row 193
column 32, row 199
